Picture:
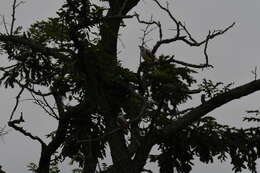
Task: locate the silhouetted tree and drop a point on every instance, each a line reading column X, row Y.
column 100, row 104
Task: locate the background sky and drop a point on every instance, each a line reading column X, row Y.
column 233, row 55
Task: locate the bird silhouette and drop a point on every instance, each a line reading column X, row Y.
column 146, row 54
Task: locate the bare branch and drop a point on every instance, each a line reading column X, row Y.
column 14, row 6
column 13, row 17
column 16, row 103
column 205, row 50
column 49, row 106
column 166, row 9
column 24, row 132
column 191, row 65
column 5, row 25
column 215, row 33
column 194, row 65
column 148, row 24
column 187, row 37
column 43, row 106
column 59, row 103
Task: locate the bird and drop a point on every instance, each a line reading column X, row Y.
column 146, row 54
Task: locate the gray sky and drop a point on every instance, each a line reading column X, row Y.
column 233, row 55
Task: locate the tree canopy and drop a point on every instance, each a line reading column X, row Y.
column 99, row 104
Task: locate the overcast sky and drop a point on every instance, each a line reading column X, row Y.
column 233, row 55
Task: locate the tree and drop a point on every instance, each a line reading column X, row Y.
column 73, row 59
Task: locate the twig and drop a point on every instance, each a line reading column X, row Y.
column 16, row 103
column 148, row 24
column 15, row 5
column 214, row 34
column 191, row 65
column 49, row 106
column 43, row 106
column 187, row 38
column 13, row 18
column 24, row 132
column 5, row 25
column 254, row 72
column 205, row 49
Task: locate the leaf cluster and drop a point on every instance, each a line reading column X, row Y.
column 208, row 140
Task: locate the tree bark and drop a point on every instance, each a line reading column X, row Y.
column 51, row 148
column 209, row 106
column 45, row 159
column 90, row 165
column 109, row 37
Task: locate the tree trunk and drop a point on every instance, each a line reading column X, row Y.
column 45, row 159
column 90, row 165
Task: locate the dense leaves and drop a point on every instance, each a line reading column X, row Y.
column 68, row 57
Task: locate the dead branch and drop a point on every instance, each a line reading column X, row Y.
column 5, row 25
column 13, row 17
column 191, row 65
column 16, row 103
column 45, row 106
column 24, row 132
column 186, row 37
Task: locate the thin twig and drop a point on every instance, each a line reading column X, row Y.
column 24, row 132
column 43, row 106
column 191, row 65
column 5, row 25
column 13, row 17
column 16, row 103
column 205, row 49
column 49, row 106
column 15, row 5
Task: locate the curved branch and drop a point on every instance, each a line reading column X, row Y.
column 191, row 65
column 24, row 132
column 186, row 37
column 209, row 106
column 16, row 103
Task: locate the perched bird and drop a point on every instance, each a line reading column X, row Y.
column 203, row 99
column 146, row 54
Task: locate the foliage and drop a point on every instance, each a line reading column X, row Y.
column 32, row 167
column 73, row 59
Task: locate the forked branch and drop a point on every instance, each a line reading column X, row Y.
column 14, row 123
